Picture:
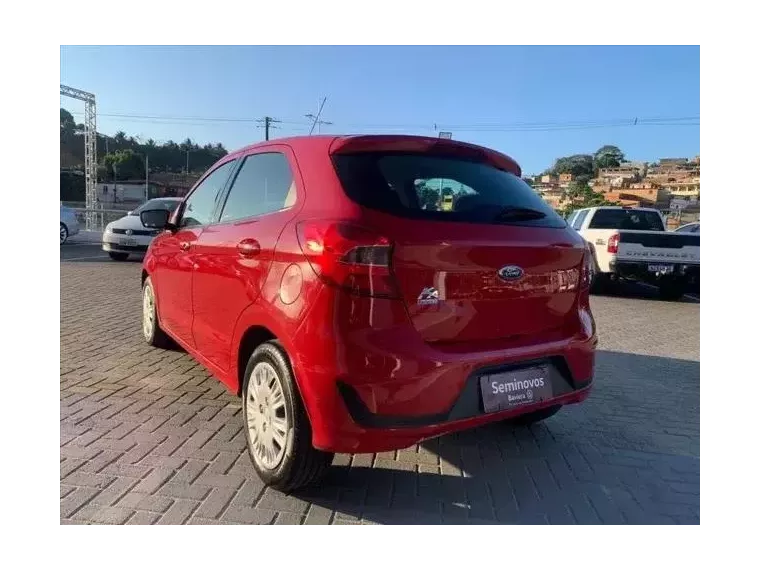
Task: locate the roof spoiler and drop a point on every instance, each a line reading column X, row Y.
column 413, row 144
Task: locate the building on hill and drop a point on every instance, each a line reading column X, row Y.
column 674, row 169
column 650, row 197
column 688, row 189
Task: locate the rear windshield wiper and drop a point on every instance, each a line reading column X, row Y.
column 514, row 213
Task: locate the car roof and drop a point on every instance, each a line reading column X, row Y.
column 410, row 143
column 626, row 208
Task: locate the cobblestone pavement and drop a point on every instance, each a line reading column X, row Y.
column 148, row 437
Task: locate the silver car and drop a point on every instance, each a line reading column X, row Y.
column 127, row 235
column 69, row 224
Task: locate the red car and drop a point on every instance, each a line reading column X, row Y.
column 321, row 279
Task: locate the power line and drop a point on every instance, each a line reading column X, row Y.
column 461, row 127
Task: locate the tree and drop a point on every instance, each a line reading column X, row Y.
column 576, row 164
column 580, row 195
column 168, row 157
column 124, row 164
column 609, row 156
column 68, row 125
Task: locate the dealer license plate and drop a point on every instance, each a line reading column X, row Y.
column 661, row 269
column 507, row 390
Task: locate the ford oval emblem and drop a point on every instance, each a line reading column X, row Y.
column 510, row 272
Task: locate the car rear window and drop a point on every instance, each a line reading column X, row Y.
column 421, row 186
column 626, row 220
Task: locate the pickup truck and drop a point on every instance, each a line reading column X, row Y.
column 632, row 243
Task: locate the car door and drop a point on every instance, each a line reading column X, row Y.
column 173, row 251
column 234, row 255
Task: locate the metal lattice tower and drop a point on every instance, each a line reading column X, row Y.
column 90, row 149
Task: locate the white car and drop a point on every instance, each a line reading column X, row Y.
column 692, row 228
column 127, row 235
column 69, row 224
column 632, row 243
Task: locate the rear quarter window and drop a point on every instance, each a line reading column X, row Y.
column 440, row 188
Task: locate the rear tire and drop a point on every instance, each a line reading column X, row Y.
column 537, row 416
column 64, row 233
column 116, row 256
column 277, row 428
column 152, row 332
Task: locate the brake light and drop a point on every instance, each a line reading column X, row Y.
column 612, row 243
column 588, row 268
column 348, row 256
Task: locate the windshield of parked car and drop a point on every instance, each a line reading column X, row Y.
column 627, row 220
column 156, row 204
column 442, row 188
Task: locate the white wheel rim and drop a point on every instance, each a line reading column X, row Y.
column 64, row 234
column 266, row 416
column 149, row 315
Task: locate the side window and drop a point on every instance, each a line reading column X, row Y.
column 264, row 184
column 571, row 217
column 199, row 207
column 578, row 221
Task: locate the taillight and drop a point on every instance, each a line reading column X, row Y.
column 348, row 256
column 588, row 268
column 612, row 243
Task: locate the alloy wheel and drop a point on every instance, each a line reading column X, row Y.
column 266, row 415
column 149, row 314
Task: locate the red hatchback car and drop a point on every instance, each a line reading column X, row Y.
column 329, row 283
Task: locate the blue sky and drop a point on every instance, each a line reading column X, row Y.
column 484, row 95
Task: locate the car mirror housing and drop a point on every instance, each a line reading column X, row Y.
column 155, row 219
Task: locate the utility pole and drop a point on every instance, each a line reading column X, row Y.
column 268, row 123
column 315, row 118
column 187, row 164
column 146, row 177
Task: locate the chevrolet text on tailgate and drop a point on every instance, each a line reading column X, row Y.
column 631, row 243
column 355, row 309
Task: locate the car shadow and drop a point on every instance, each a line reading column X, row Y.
column 96, row 258
column 628, row 455
column 637, row 290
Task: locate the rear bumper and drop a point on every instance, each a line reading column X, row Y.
column 375, row 439
column 468, row 404
column 639, row 270
column 374, row 390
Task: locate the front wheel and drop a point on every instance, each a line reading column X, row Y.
column 276, row 425
column 116, row 256
column 64, row 234
column 152, row 332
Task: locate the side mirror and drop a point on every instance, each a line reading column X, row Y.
column 155, row 219
column 129, row 213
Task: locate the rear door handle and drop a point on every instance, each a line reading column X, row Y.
column 249, row 247
column 184, row 245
